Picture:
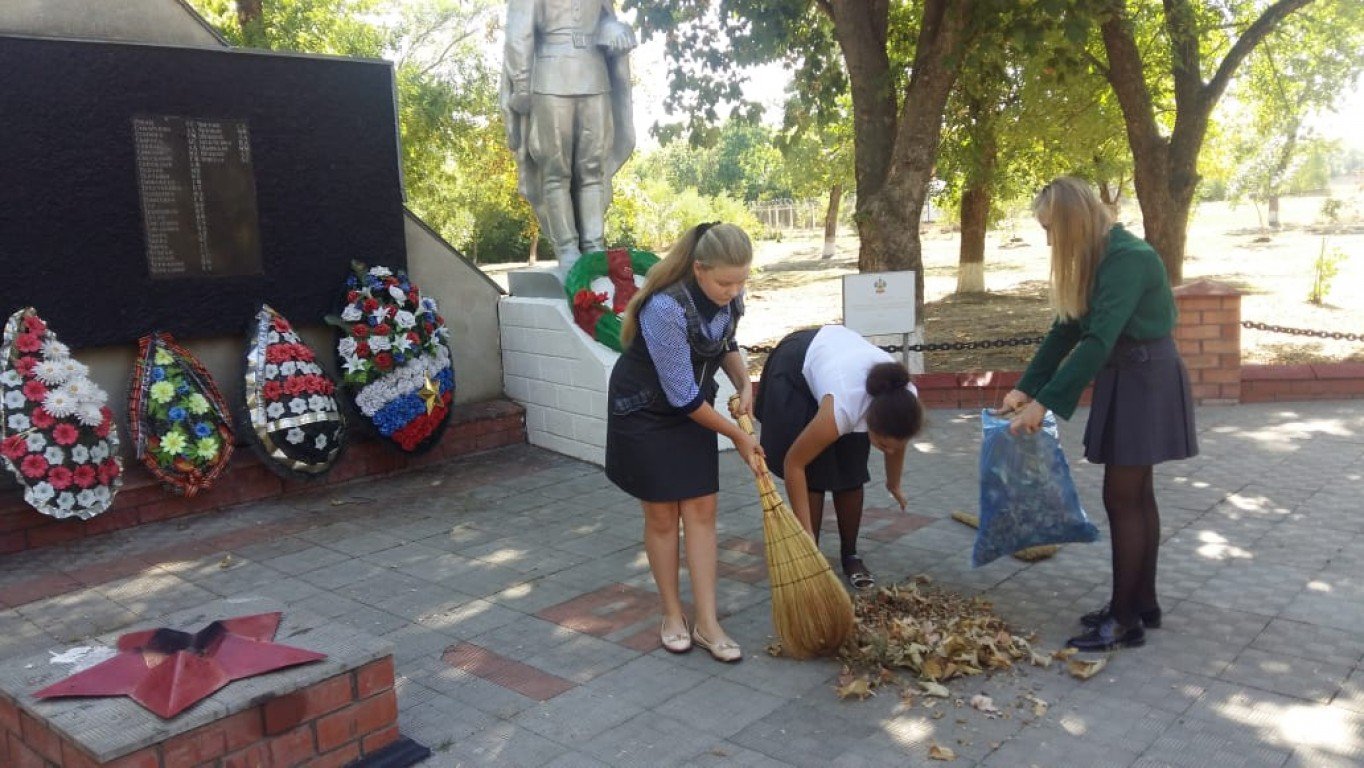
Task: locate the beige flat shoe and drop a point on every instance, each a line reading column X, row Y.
column 725, row 650
column 675, row 642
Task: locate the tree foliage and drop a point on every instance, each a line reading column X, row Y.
column 457, row 174
column 1199, row 48
column 1302, row 69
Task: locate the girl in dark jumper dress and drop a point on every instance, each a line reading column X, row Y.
column 661, row 423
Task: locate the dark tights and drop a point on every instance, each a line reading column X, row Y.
column 848, row 510
column 1134, row 528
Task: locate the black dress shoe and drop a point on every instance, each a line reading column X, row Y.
column 1149, row 619
column 1109, row 636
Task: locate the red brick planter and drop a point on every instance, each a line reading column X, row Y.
column 329, row 724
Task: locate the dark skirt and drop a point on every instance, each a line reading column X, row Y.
column 785, row 406
column 1142, row 411
column 659, row 454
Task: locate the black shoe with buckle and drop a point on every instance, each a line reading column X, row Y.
column 1108, row 636
column 1149, row 619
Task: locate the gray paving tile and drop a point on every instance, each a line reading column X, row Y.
column 1292, row 676
column 1309, row 641
column 802, row 734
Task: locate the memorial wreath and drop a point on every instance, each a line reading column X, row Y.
column 394, row 351
column 599, row 288
column 179, row 422
column 58, row 436
column 290, row 400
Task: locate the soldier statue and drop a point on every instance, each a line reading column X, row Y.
column 566, row 100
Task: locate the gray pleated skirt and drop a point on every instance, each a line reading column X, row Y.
column 1142, row 411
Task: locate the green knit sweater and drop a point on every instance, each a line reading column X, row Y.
column 1131, row 297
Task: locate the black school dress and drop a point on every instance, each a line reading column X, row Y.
column 654, row 451
column 785, row 406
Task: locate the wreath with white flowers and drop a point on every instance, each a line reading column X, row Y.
column 394, row 351
column 56, row 434
column 290, row 400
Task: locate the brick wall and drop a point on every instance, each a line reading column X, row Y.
column 559, row 374
column 1274, row 383
column 1209, row 339
column 475, row 427
column 327, row 725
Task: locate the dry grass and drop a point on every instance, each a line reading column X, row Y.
column 792, row 287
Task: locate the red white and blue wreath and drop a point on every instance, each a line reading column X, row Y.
column 395, row 355
column 57, row 435
column 290, row 400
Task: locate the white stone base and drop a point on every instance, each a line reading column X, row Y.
column 559, row 374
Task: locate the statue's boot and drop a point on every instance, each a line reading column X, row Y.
column 591, row 217
column 559, row 224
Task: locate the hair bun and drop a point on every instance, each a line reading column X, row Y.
column 886, row 377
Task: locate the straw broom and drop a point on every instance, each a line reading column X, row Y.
column 811, row 610
column 1027, row 555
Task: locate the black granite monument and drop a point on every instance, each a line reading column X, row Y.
column 150, row 187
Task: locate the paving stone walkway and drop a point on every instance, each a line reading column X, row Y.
column 514, row 589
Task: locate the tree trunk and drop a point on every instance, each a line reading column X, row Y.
column 1167, row 168
column 975, row 215
column 534, row 255
column 831, row 220
column 251, row 17
column 975, row 199
column 1273, row 210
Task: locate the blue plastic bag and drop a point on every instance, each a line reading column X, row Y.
column 1027, row 498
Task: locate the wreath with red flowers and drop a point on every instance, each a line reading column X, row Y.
column 591, row 310
column 394, row 351
column 56, row 434
column 290, row 400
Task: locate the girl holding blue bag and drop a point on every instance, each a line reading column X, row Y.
column 1114, row 316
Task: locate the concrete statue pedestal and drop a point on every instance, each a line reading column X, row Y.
column 558, row 373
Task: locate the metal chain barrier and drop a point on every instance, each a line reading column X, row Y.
column 945, row 346
column 1020, row 341
column 1337, row 335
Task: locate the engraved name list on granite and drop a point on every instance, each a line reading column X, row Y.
column 198, row 197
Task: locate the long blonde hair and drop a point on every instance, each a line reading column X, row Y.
column 1078, row 222
column 710, row 245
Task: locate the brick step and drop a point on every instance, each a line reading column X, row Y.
column 473, row 428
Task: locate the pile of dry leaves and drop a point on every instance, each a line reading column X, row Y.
column 934, row 636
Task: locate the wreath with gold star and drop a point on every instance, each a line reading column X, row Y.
column 395, row 356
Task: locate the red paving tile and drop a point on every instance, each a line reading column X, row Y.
column 508, row 673
column 885, row 524
column 38, row 588
column 747, row 546
column 603, row 612
column 748, row 574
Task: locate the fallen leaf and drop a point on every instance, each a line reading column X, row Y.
column 1082, row 669
column 937, row 752
column 859, row 687
column 226, row 562
column 1064, row 653
column 1039, row 707
column 984, row 703
column 934, row 689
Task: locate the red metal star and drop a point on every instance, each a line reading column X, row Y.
column 166, row 670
